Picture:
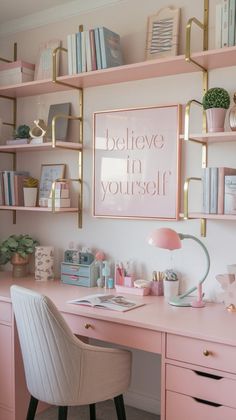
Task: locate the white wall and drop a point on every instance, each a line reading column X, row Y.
column 125, row 239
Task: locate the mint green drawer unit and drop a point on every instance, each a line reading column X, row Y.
column 79, row 274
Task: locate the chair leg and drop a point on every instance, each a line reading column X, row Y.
column 62, row 413
column 32, row 408
column 120, row 408
column 92, row 411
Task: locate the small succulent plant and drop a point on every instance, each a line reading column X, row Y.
column 31, row 182
column 216, row 98
column 22, row 132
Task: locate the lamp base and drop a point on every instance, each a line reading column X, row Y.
column 178, row 301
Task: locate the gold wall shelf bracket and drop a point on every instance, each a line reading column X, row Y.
column 186, row 200
column 187, row 120
column 54, row 120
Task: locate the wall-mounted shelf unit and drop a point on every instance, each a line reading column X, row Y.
column 33, row 88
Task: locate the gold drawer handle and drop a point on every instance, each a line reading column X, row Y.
column 87, row 326
column 207, row 352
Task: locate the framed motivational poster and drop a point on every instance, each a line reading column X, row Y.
column 137, row 163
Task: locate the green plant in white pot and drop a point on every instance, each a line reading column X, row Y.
column 30, row 188
column 17, row 250
column 215, row 102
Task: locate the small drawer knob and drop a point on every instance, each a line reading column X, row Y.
column 206, row 352
column 87, row 326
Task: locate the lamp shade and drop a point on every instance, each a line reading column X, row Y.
column 165, row 238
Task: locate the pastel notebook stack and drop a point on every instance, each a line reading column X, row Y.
column 93, row 49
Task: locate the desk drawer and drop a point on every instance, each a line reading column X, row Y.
column 5, row 312
column 193, row 409
column 112, row 332
column 190, row 350
column 75, row 269
column 201, row 385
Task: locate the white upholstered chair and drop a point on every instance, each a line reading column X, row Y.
column 59, row 368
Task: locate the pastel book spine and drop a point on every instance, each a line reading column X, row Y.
column 18, row 186
column 59, row 202
column 110, row 48
column 88, row 51
column 231, row 22
column 69, row 54
column 5, row 183
column 78, row 50
column 9, row 188
column 214, row 191
column 206, row 176
column 97, row 48
column 12, row 189
column 93, row 49
column 2, row 197
column 218, row 25
column 222, row 172
column 230, row 194
column 225, row 24
column 83, row 52
column 73, row 53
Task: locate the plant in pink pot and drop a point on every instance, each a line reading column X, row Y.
column 215, row 102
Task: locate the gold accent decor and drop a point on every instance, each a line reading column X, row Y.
column 231, row 308
column 187, row 119
column 186, row 191
column 207, row 352
column 87, row 326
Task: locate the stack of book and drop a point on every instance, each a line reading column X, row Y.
column 94, row 49
column 216, row 183
column 62, row 195
column 11, row 187
column 225, row 33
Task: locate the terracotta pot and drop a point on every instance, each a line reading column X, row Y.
column 215, row 119
column 19, row 265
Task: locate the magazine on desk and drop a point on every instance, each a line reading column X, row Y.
column 113, row 302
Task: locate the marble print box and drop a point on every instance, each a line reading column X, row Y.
column 44, row 263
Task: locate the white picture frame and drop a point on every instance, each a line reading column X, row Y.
column 49, row 174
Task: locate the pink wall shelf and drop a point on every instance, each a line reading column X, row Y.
column 228, row 136
column 40, row 147
column 210, row 59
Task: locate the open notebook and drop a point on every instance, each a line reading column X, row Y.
column 113, row 302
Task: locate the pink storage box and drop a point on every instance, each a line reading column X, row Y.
column 133, row 290
column 16, row 72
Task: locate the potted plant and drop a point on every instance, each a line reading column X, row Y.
column 30, row 188
column 17, row 249
column 215, row 102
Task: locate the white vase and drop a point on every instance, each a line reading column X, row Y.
column 30, row 197
column 215, row 119
column 171, row 288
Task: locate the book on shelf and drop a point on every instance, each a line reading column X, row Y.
column 214, row 190
column 73, row 53
column 230, row 194
column 2, row 195
column 225, row 23
column 17, row 141
column 97, row 49
column 222, row 173
column 218, row 25
column 93, row 49
column 59, row 202
column 88, row 51
column 78, row 52
column 103, row 301
column 110, row 48
column 231, row 23
column 206, row 190
column 69, row 54
column 83, row 52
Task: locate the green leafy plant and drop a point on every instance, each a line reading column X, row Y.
column 31, row 182
column 20, row 244
column 22, row 132
column 216, row 98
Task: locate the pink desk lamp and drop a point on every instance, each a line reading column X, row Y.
column 169, row 239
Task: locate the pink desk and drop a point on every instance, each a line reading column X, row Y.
column 198, row 349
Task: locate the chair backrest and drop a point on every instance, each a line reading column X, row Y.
column 51, row 353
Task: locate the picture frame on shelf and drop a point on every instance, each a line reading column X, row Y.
column 136, row 163
column 61, row 126
column 163, row 33
column 43, row 67
column 49, row 174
